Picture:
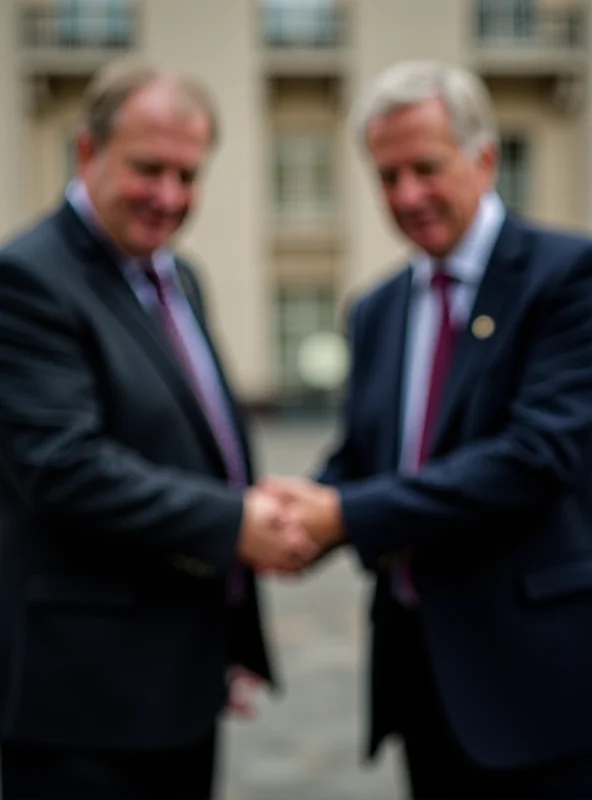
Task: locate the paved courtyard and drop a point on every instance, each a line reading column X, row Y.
column 306, row 744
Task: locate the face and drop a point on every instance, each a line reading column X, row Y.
column 431, row 187
column 145, row 179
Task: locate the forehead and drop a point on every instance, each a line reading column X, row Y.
column 154, row 117
column 411, row 130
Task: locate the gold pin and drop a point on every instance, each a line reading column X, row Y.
column 483, row 327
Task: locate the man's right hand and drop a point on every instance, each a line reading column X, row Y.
column 267, row 542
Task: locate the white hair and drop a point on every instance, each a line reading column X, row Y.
column 464, row 95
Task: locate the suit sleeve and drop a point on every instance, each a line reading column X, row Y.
column 66, row 469
column 544, row 448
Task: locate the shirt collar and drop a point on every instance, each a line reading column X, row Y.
column 79, row 198
column 468, row 260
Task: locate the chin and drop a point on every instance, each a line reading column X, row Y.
column 428, row 246
column 151, row 240
column 438, row 250
column 436, row 246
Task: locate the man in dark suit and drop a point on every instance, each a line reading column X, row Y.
column 464, row 478
column 128, row 531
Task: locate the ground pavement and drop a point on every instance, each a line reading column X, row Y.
column 307, row 744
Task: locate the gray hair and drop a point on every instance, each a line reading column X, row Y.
column 116, row 82
column 464, row 95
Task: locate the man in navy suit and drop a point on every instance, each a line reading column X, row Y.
column 464, row 478
column 129, row 535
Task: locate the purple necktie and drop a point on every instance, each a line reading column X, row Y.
column 211, row 399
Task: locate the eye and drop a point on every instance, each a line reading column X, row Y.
column 188, row 176
column 426, row 168
column 148, row 169
column 388, row 176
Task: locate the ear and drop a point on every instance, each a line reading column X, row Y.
column 487, row 162
column 86, row 150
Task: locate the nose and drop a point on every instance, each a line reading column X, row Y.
column 408, row 192
column 171, row 193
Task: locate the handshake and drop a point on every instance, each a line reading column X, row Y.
column 288, row 523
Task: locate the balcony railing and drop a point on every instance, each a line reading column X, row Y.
column 529, row 23
column 76, row 25
column 303, row 24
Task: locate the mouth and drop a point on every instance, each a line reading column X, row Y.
column 420, row 224
column 158, row 220
column 420, row 220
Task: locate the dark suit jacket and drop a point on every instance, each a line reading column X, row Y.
column 499, row 521
column 118, row 527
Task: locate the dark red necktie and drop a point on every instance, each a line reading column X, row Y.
column 442, row 360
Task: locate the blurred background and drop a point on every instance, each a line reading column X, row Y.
column 290, row 227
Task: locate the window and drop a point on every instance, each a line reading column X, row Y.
column 506, row 19
column 303, row 177
column 300, row 313
column 95, row 23
column 301, row 23
column 514, row 172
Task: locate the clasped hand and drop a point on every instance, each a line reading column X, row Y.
column 288, row 523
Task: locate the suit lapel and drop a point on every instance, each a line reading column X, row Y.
column 187, row 282
column 110, row 285
column 478, row 341
column 394, row 337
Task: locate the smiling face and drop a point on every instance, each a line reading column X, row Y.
column 145, row 179
column 431, row 186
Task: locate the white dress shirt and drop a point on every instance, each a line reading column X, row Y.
column 466, row 263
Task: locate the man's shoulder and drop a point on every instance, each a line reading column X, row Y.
column 549, row 242
column 35, row 245
column 384, row 290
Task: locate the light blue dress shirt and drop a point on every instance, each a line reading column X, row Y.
column 202, row 362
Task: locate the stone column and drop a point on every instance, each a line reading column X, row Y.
column 13, row 173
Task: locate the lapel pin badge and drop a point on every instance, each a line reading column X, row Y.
column 483, row 327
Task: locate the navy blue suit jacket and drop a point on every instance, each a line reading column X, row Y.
column 499, row 522
column 118, row 526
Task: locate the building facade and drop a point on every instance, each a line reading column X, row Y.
column 291, row 222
